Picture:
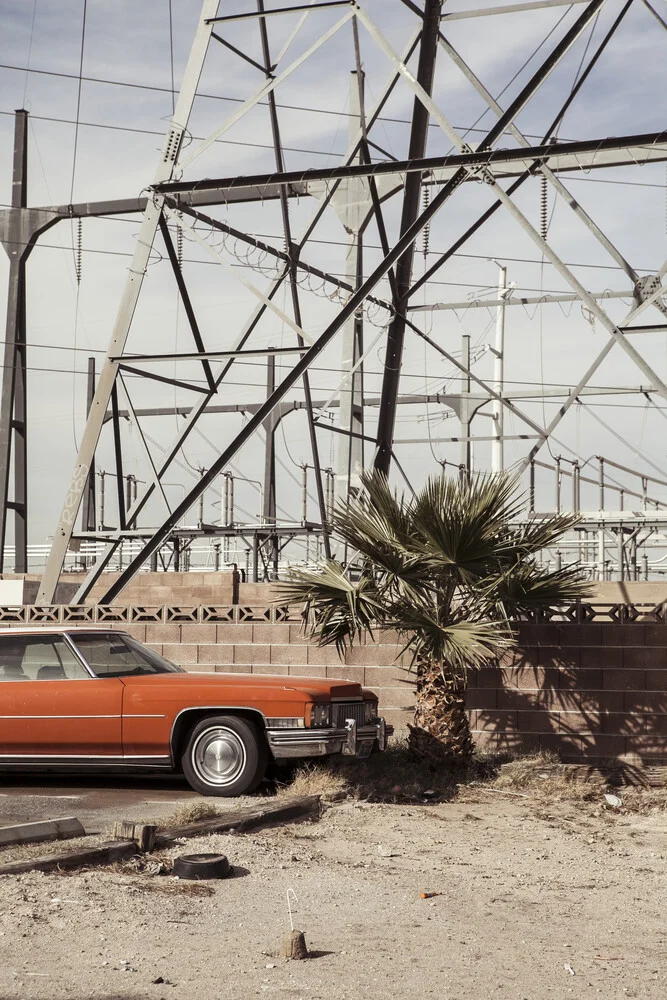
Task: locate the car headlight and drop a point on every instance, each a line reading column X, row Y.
column 370, row 711
column 320, row 715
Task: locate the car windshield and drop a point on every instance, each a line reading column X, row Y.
column 114, row 654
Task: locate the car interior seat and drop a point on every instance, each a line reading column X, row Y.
column 51, row 672
column 12, row 672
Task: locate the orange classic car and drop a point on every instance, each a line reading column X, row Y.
column 92, row 698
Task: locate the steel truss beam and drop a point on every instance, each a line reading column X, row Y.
column 444, row 174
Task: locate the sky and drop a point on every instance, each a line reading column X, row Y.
column 123, row 107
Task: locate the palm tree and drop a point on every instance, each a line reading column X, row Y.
column 448, row 569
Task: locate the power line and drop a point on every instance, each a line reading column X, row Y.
column 231, row 100
column 145, row 131
column 336, row 274
column 288, row 149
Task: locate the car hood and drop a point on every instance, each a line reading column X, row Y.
column 317, row 688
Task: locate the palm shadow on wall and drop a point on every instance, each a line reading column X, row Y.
column 551, row 698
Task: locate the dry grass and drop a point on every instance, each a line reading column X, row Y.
column 314, row 779
column 190, row 812
column 397, row 776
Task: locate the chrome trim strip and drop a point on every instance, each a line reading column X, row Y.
column 82, row 716
column 80, row 658
column 105, row 758
column 60, row 716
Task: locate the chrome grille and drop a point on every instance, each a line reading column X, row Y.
column 348, row 710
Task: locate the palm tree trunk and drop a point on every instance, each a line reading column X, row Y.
column 441, row 729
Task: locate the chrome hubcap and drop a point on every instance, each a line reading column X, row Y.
column 219, row 756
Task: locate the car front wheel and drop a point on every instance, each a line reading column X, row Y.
column 224, row 755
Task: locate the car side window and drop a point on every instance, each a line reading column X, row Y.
column 38, row 658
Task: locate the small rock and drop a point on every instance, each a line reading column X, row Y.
column 613, row 801
column 386, row 852
column 270, row 965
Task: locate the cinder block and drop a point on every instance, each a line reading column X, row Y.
column 498, row 720
column 289, row 654
column 263, row 632
column 396, row 698
column 624, row 680
column 651, row 748
column 322, row 656
column 517, row 742
column 561, row 743
column 372, row 656
column 558, row 657
column 206, row 632
column 649, row 658
column 529, row 678
column 655, row 635
column 162, row 633
column 180, row 653
column 628, row 634
column 355, row 674
column 489, row 677
column 137, row 631
column 581, row 680
column 391, row 676
column 537, row 721
column 252, row 654
column 155, row 646
column 226, row 632
column 199, row 668
column 269, row 668
column 297, row 634
column 216, row 652
column 400, row 720
column 311, row 670
column 513, row 698
column 642, row 701
column 602, row 746
column 579, row 635
column 481, row 698
column 486, row 740
column 231, row 668
column 596, row 657
column 623, row 723
column 578, row 722
column 656, row 725
column 656, row 680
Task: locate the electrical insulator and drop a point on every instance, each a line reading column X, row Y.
column 179, row 246
column 78, row 256
column 544, row 208
column 426, row 199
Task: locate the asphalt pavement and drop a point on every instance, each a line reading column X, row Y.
column 96, row 800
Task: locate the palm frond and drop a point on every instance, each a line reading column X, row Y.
column 336, row 610
column 462, row 528
column 527, row 587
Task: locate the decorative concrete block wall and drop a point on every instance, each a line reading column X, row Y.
column 587, row 691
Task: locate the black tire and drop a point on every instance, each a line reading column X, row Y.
column 202, row 866
column 225, row 756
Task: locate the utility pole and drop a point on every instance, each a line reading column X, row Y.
column 350, row 459
column 465, row 407
column 413, row 184
column 88, row 512
column 498, row 413
column 270, row 424
column 13, row 403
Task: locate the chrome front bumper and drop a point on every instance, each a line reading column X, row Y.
column 352, row 740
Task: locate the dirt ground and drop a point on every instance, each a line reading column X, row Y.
column 538, row 897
